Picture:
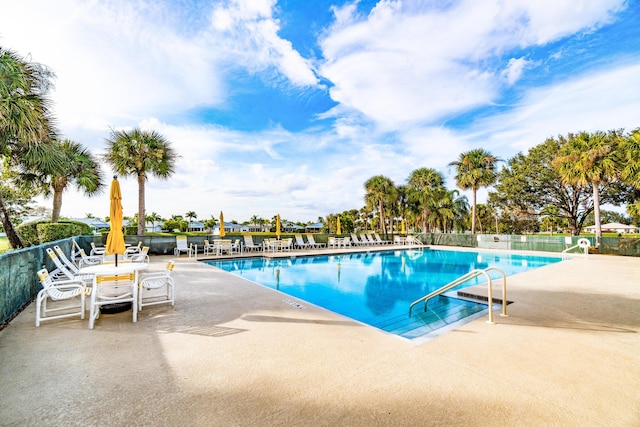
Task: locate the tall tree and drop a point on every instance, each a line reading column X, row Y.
column 191, row 215
column 78, row 167
column 475, row 169
column 140, row 153
column 423, row 184
column 381, row 191
column 590, row 158
column 26, row 122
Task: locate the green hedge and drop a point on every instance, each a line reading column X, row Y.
column 43, row 231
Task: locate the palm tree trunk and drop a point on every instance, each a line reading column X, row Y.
column 12, row 236
column 57, row 205
column 141, row 182
column 473, row 213
column 382, row 224
column 596, row 212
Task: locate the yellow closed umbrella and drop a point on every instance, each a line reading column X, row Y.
column 338, row 228
column 403, row 231
column 222, row 232
column 115, row 238
column 278, row 226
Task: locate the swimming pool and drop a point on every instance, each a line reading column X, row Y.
column 376, row 288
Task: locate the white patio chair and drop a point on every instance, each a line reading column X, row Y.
column 313, row 243
column 182, row 246
column 142, row 256
column 346, row 241
column 157, row 288
column 208, row 247
column 236, row 247
column 86, row 260
column 113, row 289
column 96, row 250
column 132, row 250
column 61, row 290
column 331, row 242
column 286, row 244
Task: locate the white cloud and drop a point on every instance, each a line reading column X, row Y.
column 408, row 63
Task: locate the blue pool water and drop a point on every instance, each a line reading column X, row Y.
column 376, row 288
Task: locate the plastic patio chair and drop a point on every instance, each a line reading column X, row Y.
column 113, row 289
column 60, row 290
column 157, row 288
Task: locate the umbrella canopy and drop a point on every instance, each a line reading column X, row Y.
column 115, row 238
column 338, row 228
column 222, row 232
column 278, row 226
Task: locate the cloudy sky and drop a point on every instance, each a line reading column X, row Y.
column 290, row 106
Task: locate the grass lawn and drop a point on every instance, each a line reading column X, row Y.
column 4, row 244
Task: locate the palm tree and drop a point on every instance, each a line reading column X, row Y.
column 191, row 215
column 140, row 153
column 153, row 218
column 381, row 190
column 475, row 169
column 26, row 128
column 590, row 158
column 423, row 183
column 79, row 167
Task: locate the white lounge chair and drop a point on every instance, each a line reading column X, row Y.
column 355, row 241
column 300, row 243
column 371, row 240
column 182, row 246
column 313, row 243
column 364, row 241
column 157, row 288
column 380, row 241
column 249, row 245
column 61, row 290
column 69, row 267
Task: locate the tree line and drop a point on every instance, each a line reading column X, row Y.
column 36, row 159
column 559, row 183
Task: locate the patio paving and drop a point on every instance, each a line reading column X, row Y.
column 233, row 353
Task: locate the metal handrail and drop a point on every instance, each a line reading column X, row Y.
column 582, row 243
column 460, row 280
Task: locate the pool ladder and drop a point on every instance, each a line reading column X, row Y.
column 460, row 280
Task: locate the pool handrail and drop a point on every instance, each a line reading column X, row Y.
column 460, row 280
column 583, row 244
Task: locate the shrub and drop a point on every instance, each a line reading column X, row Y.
column 43, row 231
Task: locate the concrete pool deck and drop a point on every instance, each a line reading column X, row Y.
column 233, row 353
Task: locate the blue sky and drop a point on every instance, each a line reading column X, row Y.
column 290, row 106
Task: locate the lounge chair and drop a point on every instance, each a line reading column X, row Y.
column 157, row 288
column 364, row 241
column 300, row 243
column 249, row 245
column 380, row 241
column 182, row 246
column 60, row 290
column 65, row 265
column 354, row 240
column 371, row 240
column 313, row 243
